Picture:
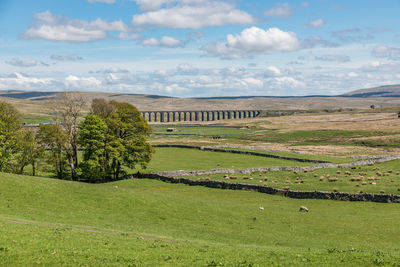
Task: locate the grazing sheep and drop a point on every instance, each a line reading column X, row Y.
column 261, row 208
column 371, row 178
column 338, row 172
column 357, row 185
column 398, row 189
column 347, row 173
column 245, row 177
column 322, row 178
column 265, row 179
column 360, row 191
column 286, row 188
column 335, row 189
column 333, row 179
column 303, row 208
column 382, row 191
column 315, row 175
column 364, row 183
column 373, row 183
column 379, row 173
column 390, row 171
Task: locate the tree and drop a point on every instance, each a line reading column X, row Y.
column 10, row 124
column 28, row 150
column 68, row 108
column 92, row 137
column 124, row 142
column 53, row 138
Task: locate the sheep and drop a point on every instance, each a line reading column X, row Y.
column 286, row 188
column 315, row 175
column 335, row 189
column 287, row 181
column 265, row 179
column 333, row 179
column 364, row 183
column 338, row 172
column 347, row 173
column 303, row 208
column 382, row 191
column 261, row 208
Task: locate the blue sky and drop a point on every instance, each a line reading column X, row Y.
column 199, row 47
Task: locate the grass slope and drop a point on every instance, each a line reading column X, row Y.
column 169, row 159
column 209, row 226
column 388, row 180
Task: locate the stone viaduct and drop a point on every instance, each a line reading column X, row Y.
column 205, row 115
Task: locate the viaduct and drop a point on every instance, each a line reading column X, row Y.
column 208, row 115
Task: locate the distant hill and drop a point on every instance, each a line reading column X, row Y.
column 383, row 96
column 381, row 91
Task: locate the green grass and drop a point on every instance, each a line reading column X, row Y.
column 206, row 226
column 321, row 137
column 336, row 160
column 389, row 183
column 36, row 119
column 227, row 132
column 169, row 159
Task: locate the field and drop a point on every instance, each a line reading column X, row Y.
column 146, row 223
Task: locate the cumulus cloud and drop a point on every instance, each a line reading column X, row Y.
column 102, row 1
column 334, row 58
column 315, row 23
column 75, row 82
column 253, row 41
column 66, row 57
column 194, row 16
column 150, row 5
column 22, row 63
column 382, row 51
column 18, row 81
column 62, row 29
column 165, row 41
column 272, row 71
column 282, row 10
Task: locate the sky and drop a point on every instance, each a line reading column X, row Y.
column 199, row 48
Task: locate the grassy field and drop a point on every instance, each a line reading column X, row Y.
column 169, row 159
column 379, row 178
column 147, row 223
column 336, row 160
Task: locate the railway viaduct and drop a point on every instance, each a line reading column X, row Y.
column 205, row 115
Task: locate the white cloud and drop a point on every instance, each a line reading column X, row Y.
column 66, row 57
column 377, row 66
column 102, row 1
column 60, row 28
column 272, row 71
column 165, row 41
column 129, row 36
column 214, row 13
column 315, row 23
column 186, row 69
column 22, row 63
column 283, row 10
column 18, row 81
column 334, row 58
column 74, row 82
column 253, row 41
column 382, row 51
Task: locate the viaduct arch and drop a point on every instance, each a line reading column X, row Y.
column 202, row 115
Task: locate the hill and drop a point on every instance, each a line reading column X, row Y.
column 384, row 96
column 381, row 91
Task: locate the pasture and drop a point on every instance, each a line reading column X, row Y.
column 143, row 222
column 146, row 223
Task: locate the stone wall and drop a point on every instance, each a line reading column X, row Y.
column 382, row 198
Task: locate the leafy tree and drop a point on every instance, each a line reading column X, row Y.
column 10, row 124
column 124, row 142
column 53, row 138
column 92, row 137
column 28, row 150
column 68, row 108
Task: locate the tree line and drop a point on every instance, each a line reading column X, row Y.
column 112, row 137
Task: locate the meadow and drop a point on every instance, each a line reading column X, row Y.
column 146, row 223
